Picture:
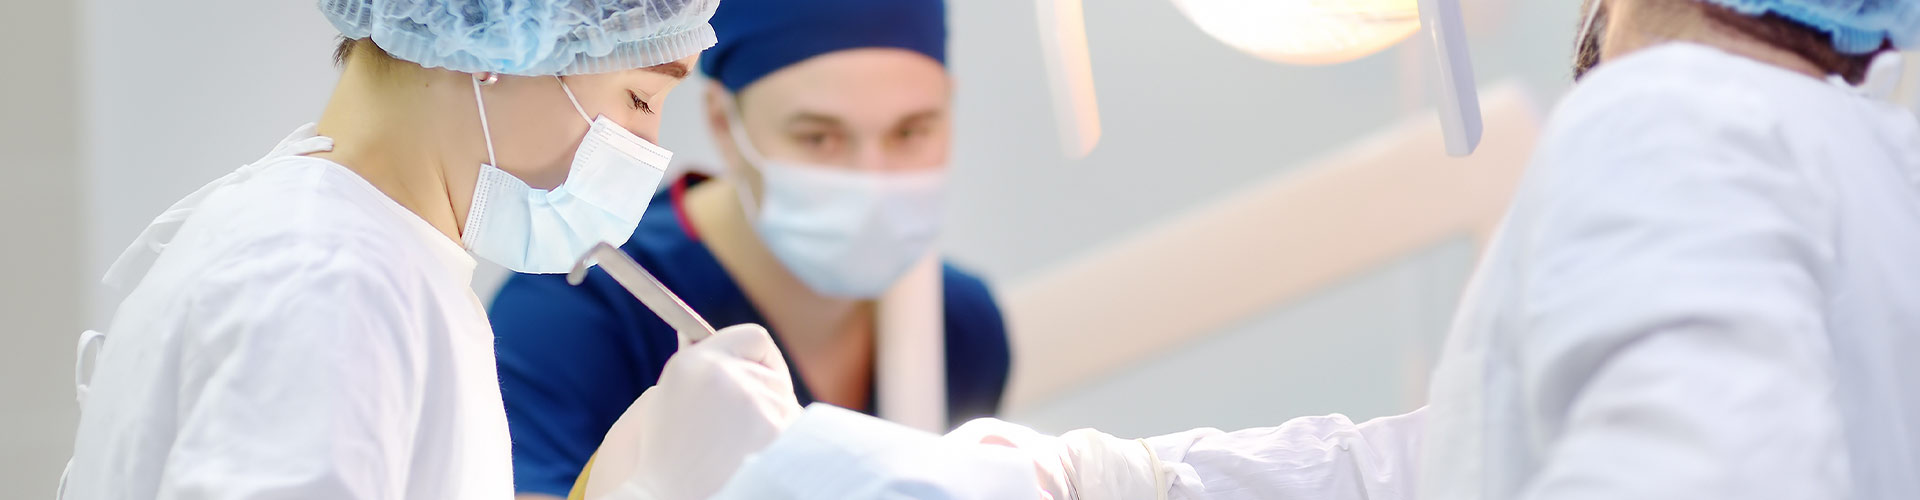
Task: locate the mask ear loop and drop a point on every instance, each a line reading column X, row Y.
column 737, row 127
column 485, row 131
column 1592, row 11
column 576, row 102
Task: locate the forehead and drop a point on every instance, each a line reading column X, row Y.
column 861, row 86
column 647, row 79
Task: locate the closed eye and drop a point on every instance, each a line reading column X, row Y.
column 639, row 104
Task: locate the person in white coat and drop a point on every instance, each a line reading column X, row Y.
column 1702, row 290
column 305, row 327
column 1706, row 288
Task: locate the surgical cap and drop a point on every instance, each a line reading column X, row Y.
column 1857, row 26
column 529, row 37
column 759, row 37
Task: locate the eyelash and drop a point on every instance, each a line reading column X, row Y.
column 640, row 104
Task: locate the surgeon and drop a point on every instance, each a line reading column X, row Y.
column 1704, row 289
column 305, row 327
column 834, row 119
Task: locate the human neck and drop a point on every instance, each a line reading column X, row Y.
column 393, row 127
column 1637, row 25
column 803, row 317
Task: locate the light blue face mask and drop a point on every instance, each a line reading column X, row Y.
column 613, row 176
column 844, row 232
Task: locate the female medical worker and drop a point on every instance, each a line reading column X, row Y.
column 1705, row 289
column 834, row 116
column 304, row 327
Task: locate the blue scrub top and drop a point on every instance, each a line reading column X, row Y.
column 572, row 359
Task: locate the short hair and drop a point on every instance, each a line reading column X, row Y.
column 1811, row 43
column 359, row 47
column 382, row 63
column 344, row 49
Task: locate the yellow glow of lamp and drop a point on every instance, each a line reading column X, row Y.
column 1305, row 31
column 1286, row 31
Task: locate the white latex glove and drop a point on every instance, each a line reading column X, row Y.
column 717, row 402
column 1080, row 465
column 832, row 453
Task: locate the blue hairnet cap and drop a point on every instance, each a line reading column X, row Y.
column 529, row 37
column 759, row 37
column 1857, row 26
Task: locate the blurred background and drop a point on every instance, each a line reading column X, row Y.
column 1328, row 235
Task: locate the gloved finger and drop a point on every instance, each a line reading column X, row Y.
column 1049, row 463
column 618, row 458
column 748, row 342
column 990, row 430
column 776, row 379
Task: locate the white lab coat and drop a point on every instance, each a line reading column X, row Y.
column 298, row 335
column 1708, row 287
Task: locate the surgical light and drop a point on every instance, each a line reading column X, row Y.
column 1285, row 31
column 1305, row 31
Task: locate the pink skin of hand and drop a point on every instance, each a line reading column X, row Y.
column 1038, row 470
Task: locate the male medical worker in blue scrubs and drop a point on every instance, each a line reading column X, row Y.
column 834, row 119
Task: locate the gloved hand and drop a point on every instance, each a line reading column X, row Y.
column 832, row 453
column 1051, row 462
column 1080, row 465
column 717, row 402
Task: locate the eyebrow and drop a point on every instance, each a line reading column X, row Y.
column 923, row 115
column 675, row 69
column 812, row 117
column 808, row 117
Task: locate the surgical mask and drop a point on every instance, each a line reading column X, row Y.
column 844, row 232
column 608, row 186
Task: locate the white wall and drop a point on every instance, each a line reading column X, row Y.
column 41, row 237
column 182, row 93
column 150, row 100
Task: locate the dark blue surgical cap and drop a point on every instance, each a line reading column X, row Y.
column 759, row 37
